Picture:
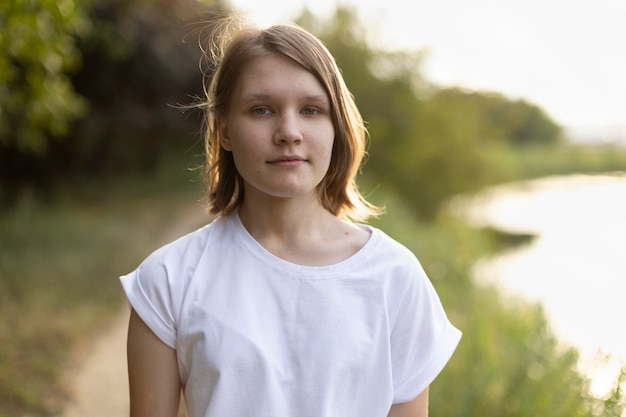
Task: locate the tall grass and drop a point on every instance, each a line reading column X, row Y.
column 59, row 264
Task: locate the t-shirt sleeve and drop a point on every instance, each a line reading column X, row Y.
column 422, row 339
column 151, row 291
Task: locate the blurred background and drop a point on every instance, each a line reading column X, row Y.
column 497, row 144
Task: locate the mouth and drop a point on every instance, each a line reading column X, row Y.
column 287, row 160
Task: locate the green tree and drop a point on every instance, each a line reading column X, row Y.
column 37, row 53
column 113, row 106
column 499, row 118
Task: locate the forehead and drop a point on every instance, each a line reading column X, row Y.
column 273, row 75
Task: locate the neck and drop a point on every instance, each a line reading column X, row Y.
column 284, row 219
column 301, row 232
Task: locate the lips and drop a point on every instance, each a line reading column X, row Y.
column 287, row 159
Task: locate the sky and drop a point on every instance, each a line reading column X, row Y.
column 566, row 56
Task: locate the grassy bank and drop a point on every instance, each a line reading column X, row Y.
column 59, row 264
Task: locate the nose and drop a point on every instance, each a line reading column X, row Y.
column 287, row 130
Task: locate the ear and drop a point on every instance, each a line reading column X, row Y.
column 223, row 135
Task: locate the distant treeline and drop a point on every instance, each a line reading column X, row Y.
column 92, row 89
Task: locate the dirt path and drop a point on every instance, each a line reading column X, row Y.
column 99, row 384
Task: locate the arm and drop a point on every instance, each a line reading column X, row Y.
column 415, row 408
column 152, row 373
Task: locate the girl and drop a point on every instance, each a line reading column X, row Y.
column 287, row 304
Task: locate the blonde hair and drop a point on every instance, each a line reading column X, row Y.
column 338, row 192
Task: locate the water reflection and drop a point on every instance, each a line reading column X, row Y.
column 576, row 267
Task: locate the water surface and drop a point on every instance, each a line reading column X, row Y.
column 577, row 265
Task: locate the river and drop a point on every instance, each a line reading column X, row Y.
column 576, row 267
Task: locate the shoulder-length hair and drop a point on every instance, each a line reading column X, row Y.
column 338, row 192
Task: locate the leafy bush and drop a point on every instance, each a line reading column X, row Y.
column 38, row 51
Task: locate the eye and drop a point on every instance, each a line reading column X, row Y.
column 261, row 111
column 311, row 111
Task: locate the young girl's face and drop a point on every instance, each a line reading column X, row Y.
column 279, row 129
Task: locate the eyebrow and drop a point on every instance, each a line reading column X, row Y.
column 322, row 98
column 256, row 96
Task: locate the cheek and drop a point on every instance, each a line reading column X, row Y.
column 246, row 161
column 329, row 150
column 328, row 153
column 241, row 161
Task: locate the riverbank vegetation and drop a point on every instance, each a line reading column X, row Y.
column 85, row 201
column 542, row 160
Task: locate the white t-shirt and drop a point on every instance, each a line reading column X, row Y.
column 257, row 336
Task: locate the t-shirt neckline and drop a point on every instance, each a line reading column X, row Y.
column 250, row 244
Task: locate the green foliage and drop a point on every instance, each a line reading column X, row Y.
column 138, row 67
column 37, row 52
column 495, row 117
column 134, row 68
column 442, row 159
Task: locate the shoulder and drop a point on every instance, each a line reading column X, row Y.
column 156, row 289
column 175, row 258
column 391, row 252
column 397, row 267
